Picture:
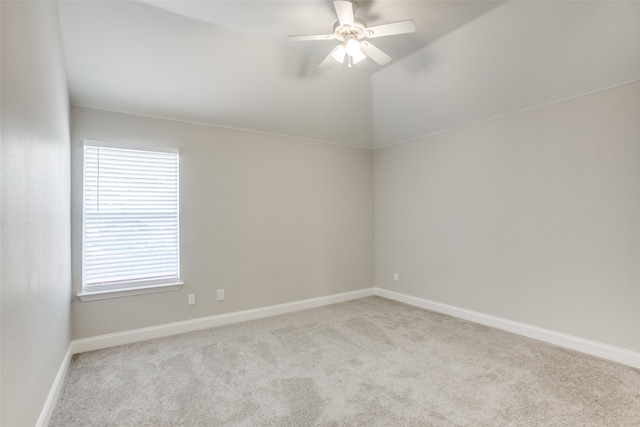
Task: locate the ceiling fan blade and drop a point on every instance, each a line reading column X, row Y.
column 374, row 53
column 311, row 37
column 393, row 28
column 344, row 10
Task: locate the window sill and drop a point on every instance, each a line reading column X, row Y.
column 126, row 292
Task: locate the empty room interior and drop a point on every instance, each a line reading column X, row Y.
column 320, row 213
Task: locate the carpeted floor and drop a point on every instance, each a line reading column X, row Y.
column 369, row 362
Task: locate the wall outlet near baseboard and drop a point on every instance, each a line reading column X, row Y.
column 191, row 299
column 220, row 295
column 396, row 277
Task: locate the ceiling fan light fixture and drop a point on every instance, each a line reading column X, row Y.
column 358, row 56
column 338, row 53
column 352, row 47
column 354, row 59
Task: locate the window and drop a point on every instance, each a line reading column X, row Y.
column 130, row 221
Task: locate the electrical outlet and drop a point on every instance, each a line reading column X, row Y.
column 396, row 277
column 191, row 299
column 220, row 295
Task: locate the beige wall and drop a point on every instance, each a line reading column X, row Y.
column 35, row 272
column 269, row 219
column 533, row 217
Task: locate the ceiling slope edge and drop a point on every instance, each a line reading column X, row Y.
column 213, row 125
column 515, row 113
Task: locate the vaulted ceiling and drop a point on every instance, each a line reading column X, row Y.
column 228, row 63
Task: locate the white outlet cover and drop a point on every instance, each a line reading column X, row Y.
column 220, row 295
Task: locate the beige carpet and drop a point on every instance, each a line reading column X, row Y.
column 370, row 362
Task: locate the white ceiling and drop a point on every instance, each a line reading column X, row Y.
column 228, row 63
column 519, row 56
column 275, row 20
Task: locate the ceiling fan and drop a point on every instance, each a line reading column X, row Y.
column 351, row 32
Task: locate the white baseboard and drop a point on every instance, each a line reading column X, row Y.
column 135, row 335
column 605, row 351
column 127, row 337
column 54, row 392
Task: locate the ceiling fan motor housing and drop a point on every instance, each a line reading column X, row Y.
column 359, row 30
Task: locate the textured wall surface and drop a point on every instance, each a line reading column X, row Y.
column 35, row 200
column 269, row 219
column 533, row 217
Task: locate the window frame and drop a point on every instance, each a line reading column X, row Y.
column 133, row 287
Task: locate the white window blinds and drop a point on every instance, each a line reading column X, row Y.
column 131, row 234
